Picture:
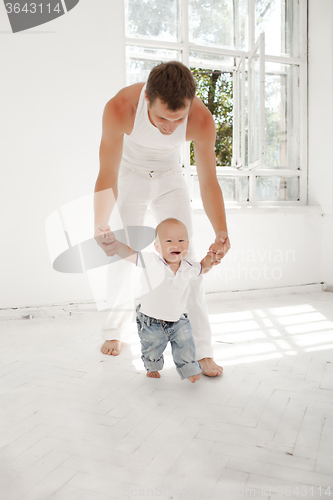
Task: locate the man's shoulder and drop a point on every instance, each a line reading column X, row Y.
column 122, row 107
column 200, row 122
column 129, row 95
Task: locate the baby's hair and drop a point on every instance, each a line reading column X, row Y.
column 171, row 219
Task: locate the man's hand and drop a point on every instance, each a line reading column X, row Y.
column 106, row 240
column 219, row 248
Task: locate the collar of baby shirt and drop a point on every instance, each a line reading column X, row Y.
column 184, row 264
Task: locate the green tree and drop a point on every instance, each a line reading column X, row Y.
column 215, row 89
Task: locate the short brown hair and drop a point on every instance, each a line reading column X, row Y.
column 173, row 83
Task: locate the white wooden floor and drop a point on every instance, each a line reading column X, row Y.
column 76, row 424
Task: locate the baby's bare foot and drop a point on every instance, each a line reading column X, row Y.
column 153, row 375
column 194, row 378
column 111, row 347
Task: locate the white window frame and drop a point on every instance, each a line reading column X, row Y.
column 259, row 47
column 238, row 136
column 241, row 59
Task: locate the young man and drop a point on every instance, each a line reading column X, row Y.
column 143, row 129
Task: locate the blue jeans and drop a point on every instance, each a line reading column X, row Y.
column 154, row 336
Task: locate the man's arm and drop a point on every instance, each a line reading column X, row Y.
column 118, row 119
column 201, row 129
column 110, row 153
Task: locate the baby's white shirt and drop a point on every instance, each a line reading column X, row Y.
column 166, row 301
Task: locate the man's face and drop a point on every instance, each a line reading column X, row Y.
column 163, row 119
column 172, row 242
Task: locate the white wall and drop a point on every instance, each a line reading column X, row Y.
column 57, row 79
column 320, row 50
column 269, row 249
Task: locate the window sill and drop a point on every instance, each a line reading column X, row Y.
column 268, row 209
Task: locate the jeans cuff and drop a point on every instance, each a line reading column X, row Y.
column 189, row 369
column 153, row 366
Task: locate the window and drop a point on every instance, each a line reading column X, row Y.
column 254, row 54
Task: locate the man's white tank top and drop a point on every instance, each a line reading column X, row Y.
column 146, row 149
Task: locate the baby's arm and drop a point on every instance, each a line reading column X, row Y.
column 123, row 250
column 210, row 259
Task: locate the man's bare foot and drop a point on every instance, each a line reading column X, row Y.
column 111, row 347
column 194, row 378
column 153, row 375
column 209, row 367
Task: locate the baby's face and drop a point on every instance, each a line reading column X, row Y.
column 172, row 242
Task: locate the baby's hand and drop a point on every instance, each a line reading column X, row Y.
column 106, row 240
column 214, row 254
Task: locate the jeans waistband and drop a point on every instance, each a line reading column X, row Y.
column 149, row 321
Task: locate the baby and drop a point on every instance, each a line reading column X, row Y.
column 161, row 316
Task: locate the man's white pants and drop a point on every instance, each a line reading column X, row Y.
column 167, row 196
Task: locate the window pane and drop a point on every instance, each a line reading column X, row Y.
column 279, row 20
column 215, row 89
column 233, row 188
column 141, row 60
column 243, row 183
column 204, row 60
column 277, row 188
column 282, row 116
column 153, row 19
column 218, row 23
column 228, row 186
